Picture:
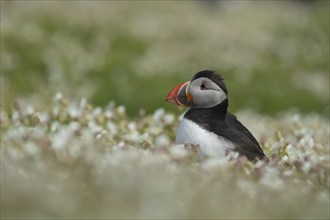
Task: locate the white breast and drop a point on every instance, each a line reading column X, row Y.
column 210, row 143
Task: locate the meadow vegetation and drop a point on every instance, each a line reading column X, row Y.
column 274, row 56
column 85, row 131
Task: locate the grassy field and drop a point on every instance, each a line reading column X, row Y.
column 85, row 131
column 274, row 56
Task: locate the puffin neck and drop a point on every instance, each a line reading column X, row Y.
column 217, row 112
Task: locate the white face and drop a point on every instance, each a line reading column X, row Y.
column 205, row 93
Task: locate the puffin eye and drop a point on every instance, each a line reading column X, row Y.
column 203, row 87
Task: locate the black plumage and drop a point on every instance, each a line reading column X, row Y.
column 219, row 80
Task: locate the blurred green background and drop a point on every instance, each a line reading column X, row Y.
column 274, row 55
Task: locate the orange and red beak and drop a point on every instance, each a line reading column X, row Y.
column 179, row 95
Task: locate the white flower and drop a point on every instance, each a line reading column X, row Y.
column 74, row 126
column 15, row 116
column 74, row 110
column 55, row 111
column 58, row 96
column 108, row 114
column 178, row 151
column 214, row 162
column 307, row 165
column 97, row 111
column 162, row 140
column 31, row 148
column 158, row 114
column 83, row 103
column 132, row 126
column 121, row 109
column 101, row 134
column 54, row 126
column 43, row 117
column 168, row 119
column 94, row 128
column 112, row 128
column 272, row 179
column 29, row 110
column 61, row 138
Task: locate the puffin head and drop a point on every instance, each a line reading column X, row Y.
column 205, row 90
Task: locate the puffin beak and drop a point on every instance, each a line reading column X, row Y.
column 179, row 95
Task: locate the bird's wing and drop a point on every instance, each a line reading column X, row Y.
column 245, row 143
column 232, row 120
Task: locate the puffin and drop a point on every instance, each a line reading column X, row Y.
column 207, row 123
